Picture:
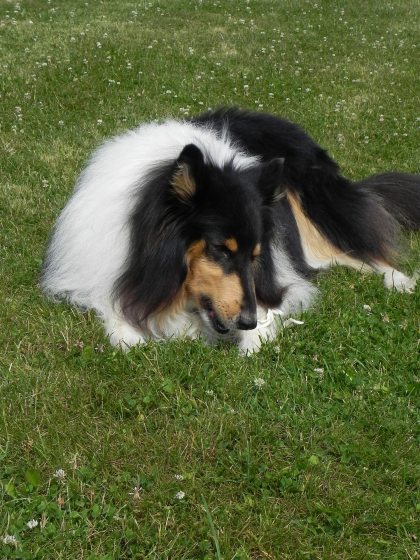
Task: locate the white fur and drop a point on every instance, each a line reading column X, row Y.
column 90, row 242
column 395, row 279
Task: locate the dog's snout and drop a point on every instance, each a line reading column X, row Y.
column 247, row 321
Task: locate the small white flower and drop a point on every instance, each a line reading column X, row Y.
column 59, row 474
column 259, row 382
column 179, row 476
column 9, row 539
column 99, row 121
column 367, row 308
column 32, row 523
column 318, row 370
column 180, row 495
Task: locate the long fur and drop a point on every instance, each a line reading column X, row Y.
column 212, row 227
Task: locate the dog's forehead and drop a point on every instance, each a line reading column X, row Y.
column 242, row 227
column 230, row 208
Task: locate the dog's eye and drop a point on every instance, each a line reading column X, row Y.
column 222, row 251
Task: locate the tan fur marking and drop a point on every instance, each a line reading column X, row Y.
column 183, row 184
column 225, row 291
column 206, row 278
column 195, row 250
column 256, row 251
column 318, row 251
column 231, row 244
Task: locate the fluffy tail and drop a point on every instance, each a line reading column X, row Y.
column 399, row 194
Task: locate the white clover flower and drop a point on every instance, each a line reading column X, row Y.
column 259, row 383
column 367, row 308
column 32, row 523
column 9, row 539
column 318, row 370
column 180, row 495
column 59, row 474
column 179, row 476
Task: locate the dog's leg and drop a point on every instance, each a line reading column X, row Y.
column 395, row 279
column 122, row 334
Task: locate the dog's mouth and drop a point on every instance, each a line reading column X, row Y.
column 217, row 325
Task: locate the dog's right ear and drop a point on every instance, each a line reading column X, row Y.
column 187, row 173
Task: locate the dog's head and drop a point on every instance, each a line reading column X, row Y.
column 230, row 219
column 203, row 232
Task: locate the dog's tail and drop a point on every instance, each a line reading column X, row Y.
column 399, row 194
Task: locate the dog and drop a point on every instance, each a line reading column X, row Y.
column 212, row 227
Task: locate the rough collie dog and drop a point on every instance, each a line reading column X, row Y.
column 211, row 228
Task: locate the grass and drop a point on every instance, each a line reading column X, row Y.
column 174, row 450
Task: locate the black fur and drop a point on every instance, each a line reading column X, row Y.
column 361, row 218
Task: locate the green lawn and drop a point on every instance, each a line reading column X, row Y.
column 175, row 450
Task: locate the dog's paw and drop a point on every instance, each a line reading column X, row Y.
column 250, row 342
column 124, row 336
column 402, row 283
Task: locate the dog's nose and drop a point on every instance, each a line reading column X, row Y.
column 247, row 321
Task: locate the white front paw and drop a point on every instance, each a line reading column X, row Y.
column 123, row 335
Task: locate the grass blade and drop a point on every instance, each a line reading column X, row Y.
column 213, row 531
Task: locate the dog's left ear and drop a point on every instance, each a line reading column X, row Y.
column 187, row 173
column 270, row 182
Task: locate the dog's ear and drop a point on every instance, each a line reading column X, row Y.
column 187, row 173
column 270, row 182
